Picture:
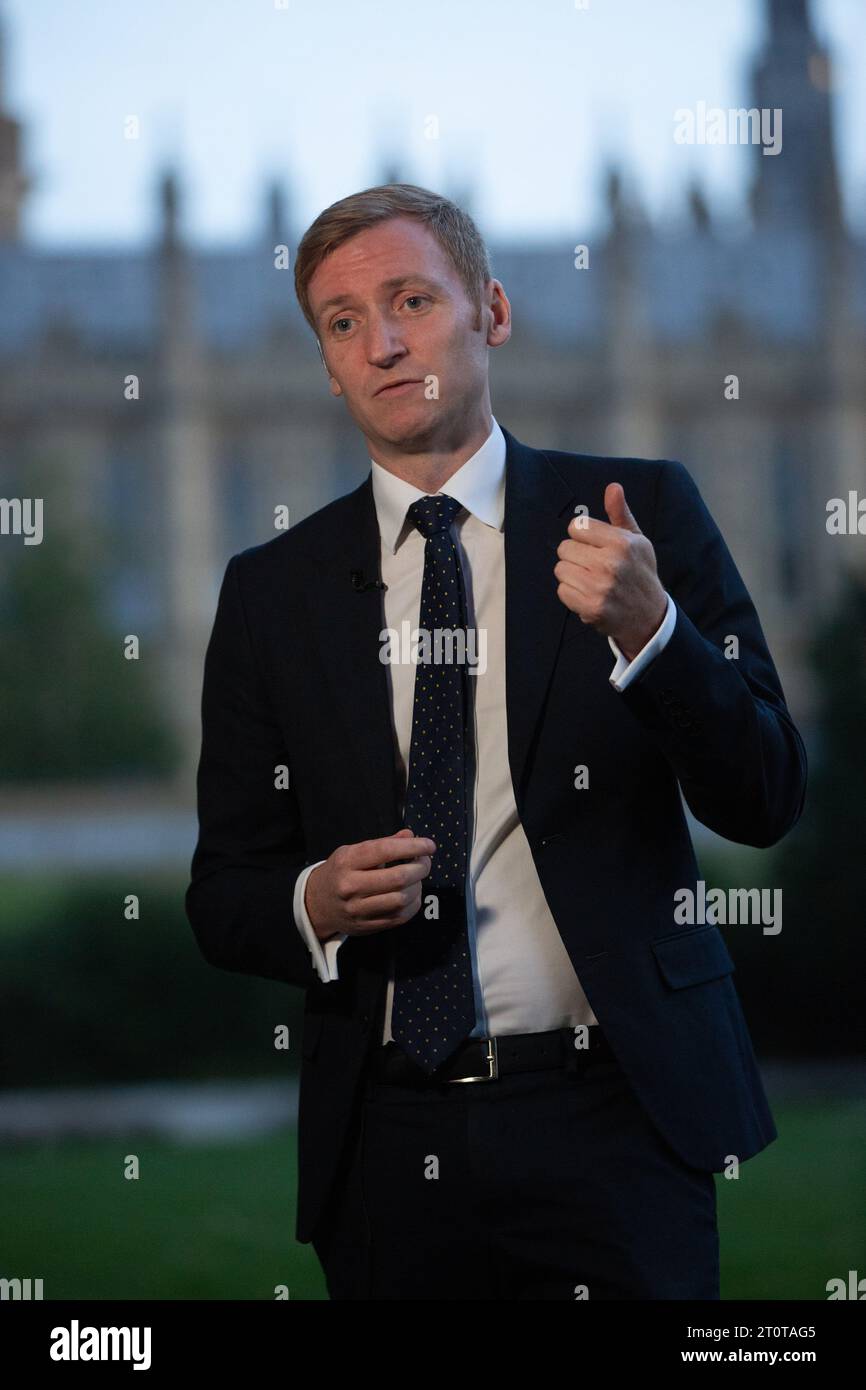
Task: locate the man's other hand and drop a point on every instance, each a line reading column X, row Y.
column 368, row 886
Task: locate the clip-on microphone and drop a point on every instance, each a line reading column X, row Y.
column 360, row 584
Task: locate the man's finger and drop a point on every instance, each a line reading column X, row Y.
column 591, row 560
column 392, row 878
column 588, row 530
column 618, row 511
column 376, row 854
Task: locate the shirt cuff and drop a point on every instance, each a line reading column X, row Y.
column 625, row 671
column 324, row 953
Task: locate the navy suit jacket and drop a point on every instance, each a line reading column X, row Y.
column 292, row 676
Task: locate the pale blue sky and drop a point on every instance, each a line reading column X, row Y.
column 531, row 96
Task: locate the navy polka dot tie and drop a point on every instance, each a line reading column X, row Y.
column 433, row 1008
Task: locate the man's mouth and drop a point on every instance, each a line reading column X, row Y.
column 397, row 388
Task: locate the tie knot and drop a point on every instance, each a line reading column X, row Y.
column 433, row 514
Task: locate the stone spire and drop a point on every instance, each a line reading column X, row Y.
column 800, row 185
column 186, row 538
column 276, row 219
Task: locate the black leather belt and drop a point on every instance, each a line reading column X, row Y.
column 486, row 1059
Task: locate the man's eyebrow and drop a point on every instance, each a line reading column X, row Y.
column 395, row 283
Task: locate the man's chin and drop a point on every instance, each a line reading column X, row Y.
column 412, row 424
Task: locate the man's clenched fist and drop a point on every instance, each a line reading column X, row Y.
column 607, row 575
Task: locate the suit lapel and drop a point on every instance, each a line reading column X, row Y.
column 350, row 621
column 538, row 506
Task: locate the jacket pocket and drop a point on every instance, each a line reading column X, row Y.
column 693, row 956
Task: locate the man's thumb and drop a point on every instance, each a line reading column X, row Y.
column 618, row 511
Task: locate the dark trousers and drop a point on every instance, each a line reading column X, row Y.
column 549, row 1184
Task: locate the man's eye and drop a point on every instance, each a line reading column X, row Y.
column 334, row 325
column 420, row 297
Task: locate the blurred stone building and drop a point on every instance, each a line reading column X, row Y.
column 629, row 356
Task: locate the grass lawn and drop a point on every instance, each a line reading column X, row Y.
column 217, row 1221
column 796, row 1216
column 201, row 1221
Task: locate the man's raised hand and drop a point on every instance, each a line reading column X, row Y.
column 607, row 575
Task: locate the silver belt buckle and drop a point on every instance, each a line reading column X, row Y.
column 492, row 1059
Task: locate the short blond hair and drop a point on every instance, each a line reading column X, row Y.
column 453, row 228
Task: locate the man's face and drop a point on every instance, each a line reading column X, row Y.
column 390, row 307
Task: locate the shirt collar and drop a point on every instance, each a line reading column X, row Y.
column 478, row 485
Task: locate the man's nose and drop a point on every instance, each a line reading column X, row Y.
column 384, row 340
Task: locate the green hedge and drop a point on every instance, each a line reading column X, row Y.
column 88, row 997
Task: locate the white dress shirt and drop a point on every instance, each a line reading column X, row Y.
column 524, row 980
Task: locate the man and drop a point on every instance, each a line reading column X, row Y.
column 519, row 1069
